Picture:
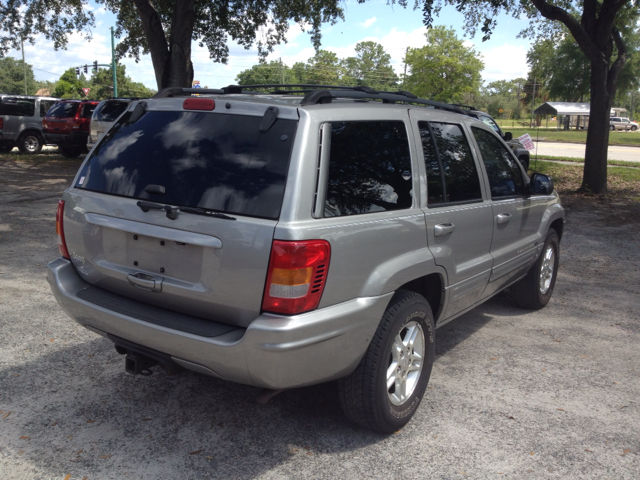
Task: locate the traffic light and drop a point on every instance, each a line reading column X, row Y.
column 77, row 71
column 95, row 66
column 86, row 70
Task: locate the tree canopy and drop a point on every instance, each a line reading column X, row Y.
column 12, row 77
column 600, row 28
column 166, row 28
column 444, row 69
column 565, row 70
column 371, row 67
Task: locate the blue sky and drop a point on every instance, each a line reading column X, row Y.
column 394, row 27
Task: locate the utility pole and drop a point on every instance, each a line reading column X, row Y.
column 113, row 66
column 533, row 101
column 24, row 67
column 406, row 52
column 281, row 72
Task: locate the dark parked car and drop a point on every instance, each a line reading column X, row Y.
column 21, row 122
column 67, row 125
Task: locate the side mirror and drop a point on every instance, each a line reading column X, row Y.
column 541, row 184
column 508, row 136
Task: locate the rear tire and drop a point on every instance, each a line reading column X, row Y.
column 535, row 289
column 69, row 152
column 30, row 143
column 386, row 388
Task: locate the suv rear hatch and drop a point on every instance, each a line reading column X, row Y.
column 178, row 208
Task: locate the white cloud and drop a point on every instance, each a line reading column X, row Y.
column 368, row 23
column 505, row 62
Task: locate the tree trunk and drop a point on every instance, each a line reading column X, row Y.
column 595, row 158
column 171, row 59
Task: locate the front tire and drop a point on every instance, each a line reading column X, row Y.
column 30, row 143
column 386, row 388
column 535, row 289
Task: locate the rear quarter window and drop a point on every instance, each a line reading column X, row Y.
column 369, row 168
column 109, row 111
column 219, row 162
column 19, row 107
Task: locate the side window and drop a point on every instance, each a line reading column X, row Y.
column 452, row 175
column 19, row 107
column 369, row 168
column 45, row 105
column 505, row 177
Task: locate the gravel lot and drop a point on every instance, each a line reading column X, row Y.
column 513, row 394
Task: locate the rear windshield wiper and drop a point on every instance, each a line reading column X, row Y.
column 172, row 212
column 204, row 211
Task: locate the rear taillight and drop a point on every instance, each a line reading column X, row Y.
column 62, row 244
column 1, row 122
column 296, row 277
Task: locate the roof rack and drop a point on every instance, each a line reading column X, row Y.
column 468, row 107
column 315, row 94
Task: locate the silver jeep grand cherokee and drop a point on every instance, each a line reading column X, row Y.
column 298, row 236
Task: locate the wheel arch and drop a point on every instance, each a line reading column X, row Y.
column 431, row 287
column 28, row 130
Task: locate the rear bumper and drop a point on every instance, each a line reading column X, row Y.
column 69, row 140
column 275, row 351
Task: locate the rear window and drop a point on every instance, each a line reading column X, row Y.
column 19, row 107
column 63, row 110
column 214, row 161
column 109, row 111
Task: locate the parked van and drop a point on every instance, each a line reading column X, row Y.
column 21, row 122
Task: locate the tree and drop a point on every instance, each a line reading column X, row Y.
column 70, row 86
column 12, row 77
column 505, row 95
column 274, row 72
column 599, row 27
column 166, row 28
column 101, row 84
column 566, row 70
column 371, row 67
column 444, row 69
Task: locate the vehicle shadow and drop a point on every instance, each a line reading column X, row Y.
column 80, row 399
column 453, row 333
column 84, row 415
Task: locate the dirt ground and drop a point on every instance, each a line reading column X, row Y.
column 513, row 394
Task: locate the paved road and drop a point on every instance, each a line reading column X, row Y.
column 629, row 154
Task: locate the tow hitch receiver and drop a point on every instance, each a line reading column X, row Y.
column 136, row 363
column 139, row 359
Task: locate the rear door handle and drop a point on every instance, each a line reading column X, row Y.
column 503, row 218
column 146, row 282
column 443, row 229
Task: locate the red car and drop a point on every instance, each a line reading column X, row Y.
column 66, row 124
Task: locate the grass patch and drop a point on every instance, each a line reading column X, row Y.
column 623, row 183
column 618, row 163
column 577, row 136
